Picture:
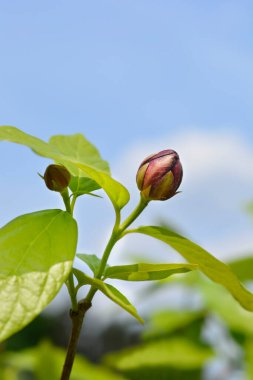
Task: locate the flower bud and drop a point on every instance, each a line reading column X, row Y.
column 160, row 175
column 57, row 177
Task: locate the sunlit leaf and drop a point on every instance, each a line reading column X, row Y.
column 15, row 135
column 110, row 291
column 147, row 272
column 36, row 256
column 216, row 270
column 78, row 147
column 117, row 193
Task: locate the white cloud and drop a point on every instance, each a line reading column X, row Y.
column 201, row 152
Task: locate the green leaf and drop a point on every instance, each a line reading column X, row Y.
column 81, row 164
column 15, row 135
column 165, row 322
column 248, row 353
column 80, row 149
column 216, row 270
column 117, row 193
column 45, row 361
column 177, row 352
column 243, row 268
column 250, row 208
column 110, row 291
column 84, row 152
column 80, row 186
column 219, row 302
column 36, row 256
column 92, row 261
column 147, row 272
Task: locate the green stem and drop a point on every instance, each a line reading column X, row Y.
column 72, row 205
column 77, row 322
column 70, row 281
column 72, row 291
column 116, row 235
column 65, row 197
column 107, row 251
column 136, row 212
column 112, row 241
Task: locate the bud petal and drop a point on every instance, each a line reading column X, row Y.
column 57, row 177
column 160, row 175
column 141, row 175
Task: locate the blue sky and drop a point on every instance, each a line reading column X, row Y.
column 121, row 70
column 135, row 77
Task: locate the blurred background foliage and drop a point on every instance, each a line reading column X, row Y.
column 206, row 336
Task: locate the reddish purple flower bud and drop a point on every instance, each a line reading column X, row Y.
column 160, row 175
column 57, row 177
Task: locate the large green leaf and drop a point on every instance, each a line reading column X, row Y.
column 216, row 270
column 15, row 135
column 80, row 149
column 73, row 148
column 83, row 151
column 110, row 291
column 88, row 164
column 117, row 193
column 36, row 256
column 147, row 272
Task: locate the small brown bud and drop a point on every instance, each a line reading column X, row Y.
column 57, row 177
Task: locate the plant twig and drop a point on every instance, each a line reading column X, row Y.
column 77, row 313
column 77, row 321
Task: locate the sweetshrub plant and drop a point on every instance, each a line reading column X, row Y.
column 37, row 249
